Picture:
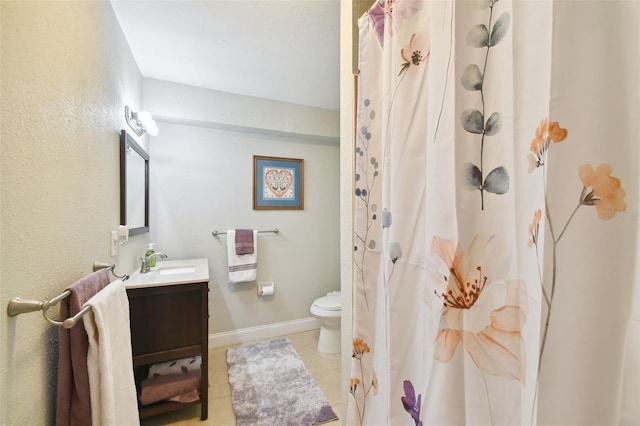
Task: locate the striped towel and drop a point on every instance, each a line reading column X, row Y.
column 242, row 268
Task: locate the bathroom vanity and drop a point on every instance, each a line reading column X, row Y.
column 169, row 320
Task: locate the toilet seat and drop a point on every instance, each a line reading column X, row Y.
column 330, row 302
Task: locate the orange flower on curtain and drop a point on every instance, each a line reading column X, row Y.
column 482, row 310
column 360, row 347
column 534, row 229
column 359, row 387
column 545, row 134
column 601, row 190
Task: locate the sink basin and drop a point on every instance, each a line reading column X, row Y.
column 171, row 272
column 177, row 269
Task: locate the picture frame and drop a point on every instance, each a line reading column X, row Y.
column 278, row 183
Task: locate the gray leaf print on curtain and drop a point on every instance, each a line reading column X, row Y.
column 493, row 124
column 497, row 181
column 478, row 36
column 473, row 120
column 500, row 28
column 472, row 78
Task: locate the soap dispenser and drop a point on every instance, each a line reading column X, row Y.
column 150, row 251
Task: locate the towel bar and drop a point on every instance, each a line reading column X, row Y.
column 274, row 230
column 99, row 265
column 18, row 305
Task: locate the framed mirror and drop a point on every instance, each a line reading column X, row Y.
column 134, row 185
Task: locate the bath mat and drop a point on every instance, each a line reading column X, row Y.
column 271, row 386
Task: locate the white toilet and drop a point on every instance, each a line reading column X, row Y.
column 327, row 311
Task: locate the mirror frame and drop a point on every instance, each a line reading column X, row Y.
column 128, row 142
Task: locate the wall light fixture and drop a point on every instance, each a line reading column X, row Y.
column 140, row 122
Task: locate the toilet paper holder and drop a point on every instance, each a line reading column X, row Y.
column 266, row 289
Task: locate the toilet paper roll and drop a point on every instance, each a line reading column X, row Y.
column 265, row 289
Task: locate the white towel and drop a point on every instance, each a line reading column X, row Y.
column 109, row 360
column 242, row 267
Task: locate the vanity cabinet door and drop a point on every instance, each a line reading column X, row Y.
column 165, row 318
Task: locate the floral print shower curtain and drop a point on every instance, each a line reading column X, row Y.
column 496, row 214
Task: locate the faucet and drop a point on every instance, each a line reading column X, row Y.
column 146, row 260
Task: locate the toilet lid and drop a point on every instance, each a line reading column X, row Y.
column 329, row 303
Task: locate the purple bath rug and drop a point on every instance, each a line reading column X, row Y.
column 271, row 386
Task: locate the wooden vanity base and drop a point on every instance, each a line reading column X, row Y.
column 170, row 322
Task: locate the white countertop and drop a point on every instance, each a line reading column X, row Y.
column 171, row 272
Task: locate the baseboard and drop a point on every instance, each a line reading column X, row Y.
column 262, row 332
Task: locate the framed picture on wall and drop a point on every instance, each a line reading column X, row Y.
column 278, row 183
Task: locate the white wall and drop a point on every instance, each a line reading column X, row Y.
column 202, row 180
column 347, row 159
column 213, row 108
column 67, row 74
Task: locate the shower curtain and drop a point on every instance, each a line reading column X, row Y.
column 496, row 214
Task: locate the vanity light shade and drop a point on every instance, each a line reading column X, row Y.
column 144, row 117
column 140, row 122
column 153, row 130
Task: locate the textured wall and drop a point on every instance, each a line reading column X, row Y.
column 66, row 75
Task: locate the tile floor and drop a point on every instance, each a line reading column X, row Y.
column 325, row 369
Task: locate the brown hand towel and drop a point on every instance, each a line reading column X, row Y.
column 244, row 241
column 73, row 400
column 169, row 386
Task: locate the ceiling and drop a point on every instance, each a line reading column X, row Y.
column 283, row 50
